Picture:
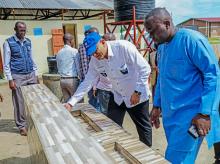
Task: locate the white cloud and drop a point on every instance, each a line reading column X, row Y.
column 184, row 9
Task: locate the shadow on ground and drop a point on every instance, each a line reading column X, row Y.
column 8, row 125
column 16, row 160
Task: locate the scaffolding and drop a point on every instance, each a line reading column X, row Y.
column 128, row 25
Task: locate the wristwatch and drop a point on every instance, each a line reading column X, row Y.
column 138, row 93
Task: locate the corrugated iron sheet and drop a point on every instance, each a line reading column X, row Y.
column 214, row 19
column 58, row 4
column 10, row 4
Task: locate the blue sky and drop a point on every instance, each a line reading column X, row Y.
column 183, row 9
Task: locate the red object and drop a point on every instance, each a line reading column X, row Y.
column 57, row 31
column 136, row 24
column 57, row 40
column 1, row 64
column 216, row 19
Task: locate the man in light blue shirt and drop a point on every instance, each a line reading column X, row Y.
column 187, row 89
column 128, row 73
column 68, row 67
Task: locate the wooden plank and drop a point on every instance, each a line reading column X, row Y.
column 56, row 136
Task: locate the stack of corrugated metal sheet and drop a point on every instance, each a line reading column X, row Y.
column 57, row 4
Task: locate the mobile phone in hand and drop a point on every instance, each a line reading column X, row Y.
column 193, row 131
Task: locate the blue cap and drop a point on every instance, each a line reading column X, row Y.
column 90, row 42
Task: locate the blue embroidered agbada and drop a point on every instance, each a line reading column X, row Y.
column 188, row 84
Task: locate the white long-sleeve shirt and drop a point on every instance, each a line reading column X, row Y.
column 126, row 69
column 68, row 62
column 103, row 83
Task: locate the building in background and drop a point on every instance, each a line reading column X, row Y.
column 41, row 17
column 210, row 27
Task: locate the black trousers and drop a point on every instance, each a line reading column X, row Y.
column 217, row 146
column 217, row 150
column 139, row 114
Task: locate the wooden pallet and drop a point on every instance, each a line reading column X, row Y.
column 85, row 136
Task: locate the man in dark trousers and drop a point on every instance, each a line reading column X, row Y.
column 20, row 70
column 128, row 73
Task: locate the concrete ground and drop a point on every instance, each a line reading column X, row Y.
column 14, row 148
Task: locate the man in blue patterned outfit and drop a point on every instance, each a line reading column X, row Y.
column 20, row 70
column 188, row 87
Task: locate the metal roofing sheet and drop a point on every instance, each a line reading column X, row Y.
column 214, row 19
column 11, row 3
column 57, row 4
column 40, row 4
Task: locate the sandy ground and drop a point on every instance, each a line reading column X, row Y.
column 14, row 148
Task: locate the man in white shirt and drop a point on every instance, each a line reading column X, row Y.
column 68, row 67
column 102, row 88
column 128, row 73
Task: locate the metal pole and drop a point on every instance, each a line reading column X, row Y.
column 104, row 20
column 62, row 15
column 134, row 25
column 13, row 11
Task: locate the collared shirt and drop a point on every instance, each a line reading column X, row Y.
column 84, row 61
column 188, row 84
column 68, row 62
column 102, row 82
column 126, row 69
column 7, row 58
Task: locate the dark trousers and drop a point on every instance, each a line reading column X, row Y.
column 217, row 150
column 93, row 100
column 217, row 146
column 139, row 114
column 103, row 97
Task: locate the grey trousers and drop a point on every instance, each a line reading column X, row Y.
column 68, row 87
column 17, row 98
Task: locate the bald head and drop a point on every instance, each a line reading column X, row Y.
column 67, row 38
column 158, row 23
column 160, row 14
column 109, row 37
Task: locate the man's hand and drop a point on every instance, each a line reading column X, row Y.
column 154, row 117
column 38, row 81
column 203, row 124
column 135, row 98
column 68, row 106
column 94, row 92
column 1, row 98
column 12, row 84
